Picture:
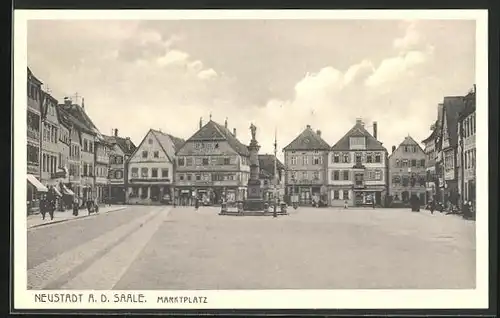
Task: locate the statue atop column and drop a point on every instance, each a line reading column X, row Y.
column 253, row 130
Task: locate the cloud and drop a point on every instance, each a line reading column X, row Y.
column 411, row 38
column 207, row 74
column 173, row 57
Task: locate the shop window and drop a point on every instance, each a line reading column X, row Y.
column 154, row 172
column 335, row 194
column 345, row 194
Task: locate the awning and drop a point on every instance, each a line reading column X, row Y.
column 67, row 191
column 57, row 192
column 37, row 184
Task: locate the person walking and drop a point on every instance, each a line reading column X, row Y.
column 345, row 204
column 43, row 206
column 196, row 203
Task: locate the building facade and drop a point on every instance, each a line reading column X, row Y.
column 447, row 149
column 305, row 166
column 272, row 177
column 466, row 149
column 101, row 168
column 358, row 168
column 151, row 169
column 50, row 141
column 121, row 150
column 211, row 165
column 33, row 118
column 407, row 172
column 431, row 155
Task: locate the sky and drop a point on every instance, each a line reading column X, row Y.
column 280, row 75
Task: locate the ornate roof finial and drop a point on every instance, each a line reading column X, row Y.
column 210, row 115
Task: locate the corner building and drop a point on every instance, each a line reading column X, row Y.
column 357, row 168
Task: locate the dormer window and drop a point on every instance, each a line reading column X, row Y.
column 357, row 143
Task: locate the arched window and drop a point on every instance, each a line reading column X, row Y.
column 118, row 174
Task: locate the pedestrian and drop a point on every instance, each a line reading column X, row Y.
column 75, row 206
column 196, row 204
column 43, row 206
column 373, row 202
column 432, row 205
column 345, row 204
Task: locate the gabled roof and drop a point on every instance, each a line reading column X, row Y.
column 433, row 133
column 44, row 102
column 453, row 106
column 266, row 165
column 32, row 77
column 216, row 131
column 470, row 105
column 408, row 141
column 165, row 139
column 69, row 121
column 358, row 130
column 307, row 140
column 122, row 143
column 78, row 112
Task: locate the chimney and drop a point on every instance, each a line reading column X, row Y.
column 359, row 121
column 127, row 141
column 225, row 123
column 116, row 132
column 318, row 132
column 201, row 122
column 234, row 132
column 308, row 126
column 67, row 101
column 375, row 129
column 393, row 148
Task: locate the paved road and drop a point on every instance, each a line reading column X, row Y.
column 165, row 248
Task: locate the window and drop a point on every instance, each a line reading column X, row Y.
column 378, row 158
column 316, row 175
column 293, row 161
column 304, row 175
column 406, row 148
column 154, row 172
column 413, row 163
column 135, row 172
column 336, row 158
column 369, row 158
column 317, row 160
column 345, row 157
column 336, row 175
column 181, row 177
column 205, row 161
column 164, row 173
column 180, row 161
column 156, row 154
column 150, row 141
column 405, row 181
column 305, row 160
column 84, row 169
column 198, row 177
column 422, row 162
column 378, row 175
column 357, row 143
column 336, row 194
column 91, row 170
column 145, row 154
column 227, row 161
column 197, row 161
column 144, row 172
column 346, row 174
column 358, row 158
column 188, row 177
column 358, row 179
column 189, row 161
column 345, row 194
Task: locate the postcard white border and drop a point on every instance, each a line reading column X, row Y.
column 262, row 299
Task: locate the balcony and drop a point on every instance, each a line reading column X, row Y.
column 149, row 179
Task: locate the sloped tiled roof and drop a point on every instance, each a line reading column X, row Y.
column 215, row 131
column 308, row 140
column 164, row 139
column 122, row 143
column 409, row 141
column 453, row 106
column 78, row 112
column 178, row 142
column 33, row 78
column 358, row 130
column 68, row 120
column 470, row 105
column 433, row 133
column 266, row 165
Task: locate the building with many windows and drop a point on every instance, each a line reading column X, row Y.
column 466, row 161
column 272, row 176
column 33, row 117
column 305, row 162
column 150, row 177
column 101, row 167
column 431, row 156
column 407, row 172
column 50, row 141
column 447, row 144
column 211, row 165
column 357, row 168
column 121, row 150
